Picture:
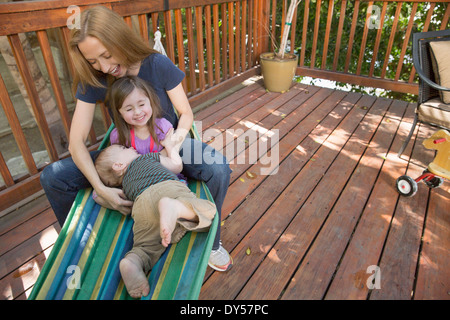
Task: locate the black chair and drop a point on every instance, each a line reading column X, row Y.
column 430, row 108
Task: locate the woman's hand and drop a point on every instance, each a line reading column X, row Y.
column 111, row 198
column 114, row 198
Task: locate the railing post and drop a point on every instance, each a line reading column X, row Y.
column 266, row 25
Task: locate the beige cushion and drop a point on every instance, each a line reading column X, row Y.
column 441, row 66
column 435, row 112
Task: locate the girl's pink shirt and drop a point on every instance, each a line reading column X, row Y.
column 143, row 146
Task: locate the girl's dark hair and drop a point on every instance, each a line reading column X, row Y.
column 118, row 92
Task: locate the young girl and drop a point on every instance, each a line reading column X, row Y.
column 105, row 48
column 137, row 116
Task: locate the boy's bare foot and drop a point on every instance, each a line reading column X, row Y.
column 133, row 276
column 170, row 210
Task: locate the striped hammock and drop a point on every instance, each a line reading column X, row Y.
column 84, row 262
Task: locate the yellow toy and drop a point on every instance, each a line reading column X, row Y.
column 436, row 171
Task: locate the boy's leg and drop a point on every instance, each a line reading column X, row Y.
column 146, row 228
column 170, row 211
column 132, row 271
column 181, row 210
column 147, row 247
column 204, row 163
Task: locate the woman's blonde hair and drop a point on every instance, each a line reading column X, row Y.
column 118, row 92
column 127, row 47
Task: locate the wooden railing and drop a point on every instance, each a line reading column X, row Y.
column 216, row 42
column 361, row 42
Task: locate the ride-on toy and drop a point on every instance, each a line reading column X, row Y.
column 439, row 169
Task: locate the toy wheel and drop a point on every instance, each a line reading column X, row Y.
column 435, row 182
column 406, row 186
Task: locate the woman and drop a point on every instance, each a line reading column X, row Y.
column 105, row 48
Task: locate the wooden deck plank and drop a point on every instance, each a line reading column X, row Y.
column 366, row 244
column 283, row 259
column 22, row 279
column 21, row 233
column 241, row 112
column 222, row 113
column 284, row 124
column 226, row 101
column 28, row 249
column 27, row 211
column 269, row 227
column 309, row 112
column 270, row 117
column 399, row 259
column 281, row 124
column 315, row 272
column 267, row 192
column 433, row 278
column 220, row 136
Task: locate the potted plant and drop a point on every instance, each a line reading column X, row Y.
column 278, row 69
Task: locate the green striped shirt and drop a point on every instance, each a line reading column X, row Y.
column 143, row 172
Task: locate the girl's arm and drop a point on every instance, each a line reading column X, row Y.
column 186, row 117
column 112, row 198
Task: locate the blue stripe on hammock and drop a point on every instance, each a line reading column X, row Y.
column 156, row 272
column 185, row 285
column 112, row 277
column 98, row 255
column 74, row 242
column 79, row 251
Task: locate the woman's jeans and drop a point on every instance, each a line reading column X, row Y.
column 62, row 180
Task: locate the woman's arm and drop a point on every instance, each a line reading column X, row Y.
column 112, row 198
column 186, row 117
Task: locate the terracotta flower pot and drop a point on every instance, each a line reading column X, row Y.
column 278, row 74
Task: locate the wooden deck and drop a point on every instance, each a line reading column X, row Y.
column 323, row 227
